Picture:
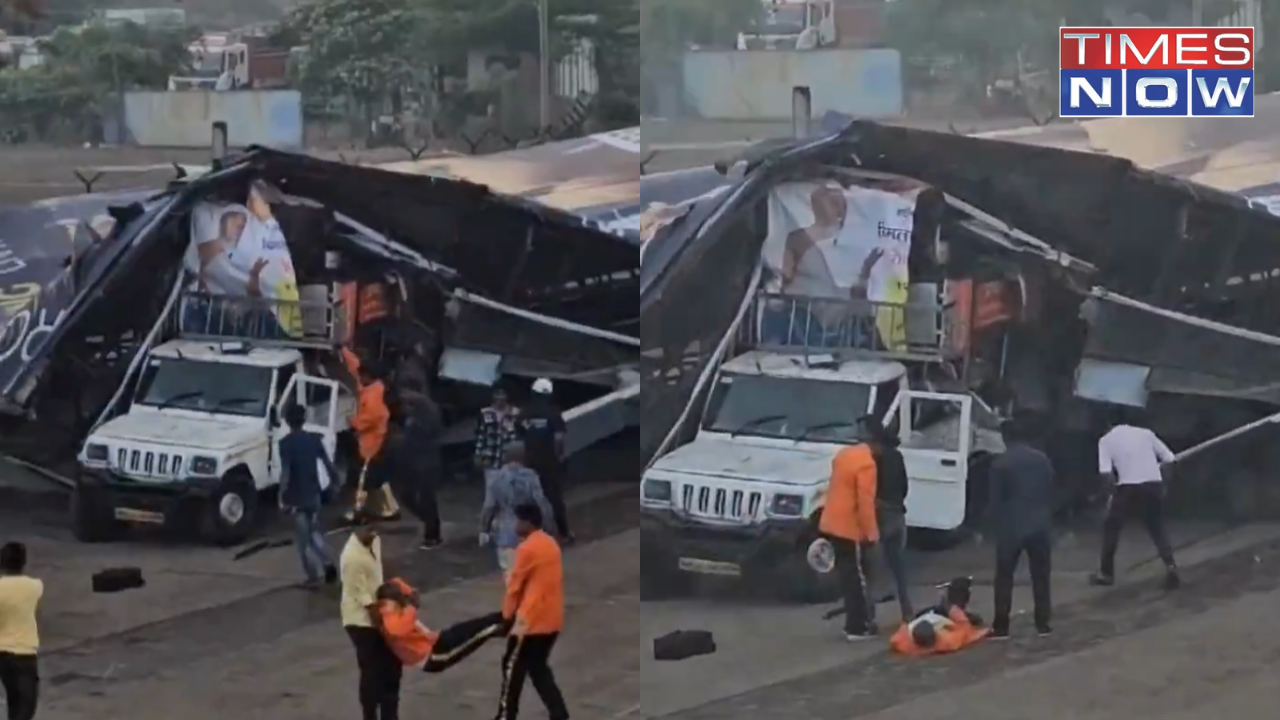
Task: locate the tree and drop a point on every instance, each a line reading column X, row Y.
column 1269, row 60
column 362, row 49
column 375, row 51
column 40, row 17
column 976, row 43
column 85, row 68
column 669, row 28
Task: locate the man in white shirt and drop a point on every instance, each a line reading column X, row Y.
column 360, row 569
column 1130, row 455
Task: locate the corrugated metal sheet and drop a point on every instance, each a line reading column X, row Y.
column 572, row 175
column 184, row 119
column 1234, row 155
column 756, row 85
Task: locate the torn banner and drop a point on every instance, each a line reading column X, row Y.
column 46, row 249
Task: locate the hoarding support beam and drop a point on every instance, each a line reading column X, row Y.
column 801, row 112
column 1165, row 287
column 218, row 143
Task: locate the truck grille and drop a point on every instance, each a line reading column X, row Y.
column 720, row 503
column 148, row 463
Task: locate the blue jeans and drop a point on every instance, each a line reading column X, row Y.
column 310, row 543
column 893, row 551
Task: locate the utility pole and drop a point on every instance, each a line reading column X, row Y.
column 1197, row 13
column 544, row 65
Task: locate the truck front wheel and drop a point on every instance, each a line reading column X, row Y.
column 92, row 516
column 232, row 512
column 660, row 577
column 813, row 577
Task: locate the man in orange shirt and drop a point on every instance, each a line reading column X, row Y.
column 534, row 610
column 849, row 522
column 370, row 423
column 418, row 646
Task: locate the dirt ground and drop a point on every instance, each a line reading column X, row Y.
column 29, row 173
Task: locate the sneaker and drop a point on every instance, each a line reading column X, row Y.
column 431, row 544
column 391, row 517
column 330, row 575
column 1172, row 581
column 1045, row 631
column 859, row 636
column 568, row 540
column 1002, row 634
column 1100, row 580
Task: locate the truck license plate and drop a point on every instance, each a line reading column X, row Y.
column 139, row 516
column 710, row 567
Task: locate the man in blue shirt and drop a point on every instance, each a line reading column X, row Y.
column 301, row 494
column 507, row 488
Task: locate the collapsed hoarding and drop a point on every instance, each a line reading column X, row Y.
column 1174, row 245
column 593, row 177
column 563, row 289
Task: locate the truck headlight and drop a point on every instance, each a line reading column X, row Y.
column 95, row 453
column 204, row 465
column 787, row 506
column 657, row 490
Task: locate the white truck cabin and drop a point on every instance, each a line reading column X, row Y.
column 200, row 430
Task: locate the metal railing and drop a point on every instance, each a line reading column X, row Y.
column 782, row 323
column 263, row 321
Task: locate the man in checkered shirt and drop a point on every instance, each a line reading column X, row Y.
column 495, row 431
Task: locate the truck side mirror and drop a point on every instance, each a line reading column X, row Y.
column 273, row 418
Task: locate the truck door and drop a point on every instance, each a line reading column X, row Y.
column 936, row 432
column 319, row 396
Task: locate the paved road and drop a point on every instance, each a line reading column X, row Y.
column 1139, row 652
column 307, row 672
column 787, row 662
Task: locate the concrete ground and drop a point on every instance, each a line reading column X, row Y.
column 782, row 662
column 210, row 637
column 309, row 673
column 203, row 613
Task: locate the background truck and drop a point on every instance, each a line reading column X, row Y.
column 743, row 498
column 193, row 445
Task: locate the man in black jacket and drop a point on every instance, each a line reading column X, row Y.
column 891, row 507
column 1021, row 507
column 542, row 428
column 421, row 460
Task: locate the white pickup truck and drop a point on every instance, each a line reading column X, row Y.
column 197, row 446
column 744, row 497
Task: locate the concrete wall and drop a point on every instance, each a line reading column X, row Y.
column 185, row 118
column 756, row 84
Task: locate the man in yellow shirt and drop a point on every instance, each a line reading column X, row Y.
column 19, row 636
column 360, row 568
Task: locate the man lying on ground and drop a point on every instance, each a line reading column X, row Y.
column 944, row 628
column 419, row 647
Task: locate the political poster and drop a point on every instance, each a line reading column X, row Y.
column 830, row 243
column 240, row 251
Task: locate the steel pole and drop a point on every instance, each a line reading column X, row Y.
column 544, row 65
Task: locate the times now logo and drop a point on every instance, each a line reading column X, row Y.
column 1156, row 72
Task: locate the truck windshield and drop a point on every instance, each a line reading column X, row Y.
column 788, row 408
column 223, row 388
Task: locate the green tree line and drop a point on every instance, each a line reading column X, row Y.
column 368, row 51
